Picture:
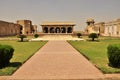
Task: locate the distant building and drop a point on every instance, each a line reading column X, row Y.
column 58, row 27
column 111, row 28
column 21, row 27
column 91, row 26
column 9, row 29
column 27, row 27
column 34, row 28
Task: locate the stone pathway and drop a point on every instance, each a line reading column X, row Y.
column 57, row 60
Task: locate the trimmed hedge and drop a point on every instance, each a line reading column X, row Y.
column 6, row 53
column 114, row 55
column 36, row 35
column 22, row 37
column 93, row 36
column 79, row 34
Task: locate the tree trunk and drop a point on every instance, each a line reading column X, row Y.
column 92, row 39
column 21, row 39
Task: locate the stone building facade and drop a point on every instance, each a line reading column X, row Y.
column 111, row 28
column 91, row 26
column 58, row 27
column 34, row 28
column 9, row 29
column 27, row 27
column 21, row 27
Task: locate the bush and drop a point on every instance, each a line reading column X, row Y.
column 36, row 35
column 22, row 37
column 93, row 36
column 114, row 55
column 79, row 34
column 6, row 53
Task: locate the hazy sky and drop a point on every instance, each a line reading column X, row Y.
column 77, row 11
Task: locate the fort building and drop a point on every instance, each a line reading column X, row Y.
column 27, row 27
column 34, row 29
column 57, row 27
column 21, row 27
column 9, row 29
column 90, row 26
column 111, row 28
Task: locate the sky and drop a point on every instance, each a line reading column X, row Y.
column 77, row 11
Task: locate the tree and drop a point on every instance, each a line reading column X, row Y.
column 22, row 37
column 36, row 35
column 93, row 36
column 79, row 34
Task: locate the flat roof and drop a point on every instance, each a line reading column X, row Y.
column 57, row 23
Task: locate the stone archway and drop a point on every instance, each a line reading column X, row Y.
column 45, row 29
column 21, row 28
column 63, row 30
column 52, row 30
column 57, row 30
column 69, row 30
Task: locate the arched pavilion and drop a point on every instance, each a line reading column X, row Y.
column 58, row 27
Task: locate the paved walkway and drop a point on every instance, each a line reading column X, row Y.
column 57, row 60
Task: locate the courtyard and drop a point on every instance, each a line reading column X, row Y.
column 94, row 52
column 23, row 51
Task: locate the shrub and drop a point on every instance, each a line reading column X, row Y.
column 114, row 55
column 22, row 37
column 36, row 35
column 93, row 36
column 6, row 53
column 79, row 34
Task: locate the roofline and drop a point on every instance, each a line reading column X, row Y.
column 57, row 23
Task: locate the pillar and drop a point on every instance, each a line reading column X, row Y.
column 48, row 29
column 66, row 29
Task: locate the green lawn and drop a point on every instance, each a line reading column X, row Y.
column 96, row 52
column 23, row 51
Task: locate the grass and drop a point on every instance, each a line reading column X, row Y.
column 29, row 37
column 96, row 52
column 23, row 51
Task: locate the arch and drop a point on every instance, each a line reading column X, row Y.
column 57, row 30
column 69, row 30
column 45, row 29
column 52, row 30
column 21, row 28
column 63, row 30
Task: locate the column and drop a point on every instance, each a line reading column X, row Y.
column 48, row 29
column 72, row 29
column 66, row 29
column 60, row 29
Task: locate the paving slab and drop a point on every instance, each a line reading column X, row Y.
column 57, row 60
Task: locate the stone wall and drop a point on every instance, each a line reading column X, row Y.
column 9, row 29
column 34, row 28
column 27, row 27
column 21, row 27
